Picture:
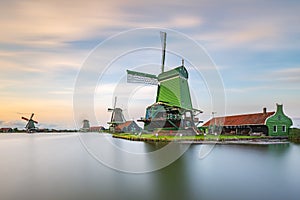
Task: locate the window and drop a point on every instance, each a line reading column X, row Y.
column 283, row 128
column 274, row 129
column 279, row 117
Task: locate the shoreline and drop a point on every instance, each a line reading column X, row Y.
column 196, row 140
column 241, row 142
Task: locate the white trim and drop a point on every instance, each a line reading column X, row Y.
column 275, row 129
column 284, row 128
column 171, row 78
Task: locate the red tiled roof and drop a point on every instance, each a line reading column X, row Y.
column 5, row 130
column 237, row 120
column 125, row 124
column 96, row 128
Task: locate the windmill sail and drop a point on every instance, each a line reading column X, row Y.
column 163, row 37
column 139, row 77
column 113, row 110
column 117, row 116
column 30, row 127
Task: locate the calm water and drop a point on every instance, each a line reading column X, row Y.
column 44, row 166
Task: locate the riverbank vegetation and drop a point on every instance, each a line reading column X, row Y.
column 294, row 135
column 196, row 138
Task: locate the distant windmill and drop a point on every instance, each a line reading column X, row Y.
column 117, row 116
column 30, row 127
column 173, row 108
column 85, row 126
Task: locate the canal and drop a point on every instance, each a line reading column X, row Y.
column 90, row 166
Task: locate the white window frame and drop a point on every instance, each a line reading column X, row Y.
column 275, row 129
column 284, row 128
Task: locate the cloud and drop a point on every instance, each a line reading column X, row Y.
column 253, row 35
column 51, row 24
column 288, row 75
column 44, row 43
column 62, row 91
column 247, row 90
column 266, row 81
column 254, row 25
column 13, row 124
column 38, row 72
column 284, row 78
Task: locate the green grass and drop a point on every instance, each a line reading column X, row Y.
column 167, row 138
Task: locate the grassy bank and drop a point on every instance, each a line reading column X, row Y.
column 197, row 138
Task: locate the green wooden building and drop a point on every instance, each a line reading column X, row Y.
column 279, row 124
column 263, row 123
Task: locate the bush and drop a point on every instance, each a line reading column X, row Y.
column 294, row 135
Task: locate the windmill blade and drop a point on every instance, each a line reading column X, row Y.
column 20, row 113
column 112, row 115
column 115, row 103
column 31, row 115
column 25, row 118
column 113, row 110
column 163, row 37
column 34, row 121
column 139, row 77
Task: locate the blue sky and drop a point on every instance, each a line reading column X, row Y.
column 43, row 45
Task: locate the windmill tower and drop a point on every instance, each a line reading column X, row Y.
column 85, row 126
column 117, row 116
column 173, row 106
column 30, row 127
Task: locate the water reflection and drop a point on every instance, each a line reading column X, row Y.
column 153, row 146
column 133, row 157
column 58, row 167
column 279, row 149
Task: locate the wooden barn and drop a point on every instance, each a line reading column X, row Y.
column 6, row 130
column 128, row 126
column 263, row 123
column 96, row 128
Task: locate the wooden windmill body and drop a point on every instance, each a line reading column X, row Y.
column 117, row 117
column 30, row 126
column 173, row 109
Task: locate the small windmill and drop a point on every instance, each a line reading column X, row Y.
column 30, row 127
column 117, row 116
column 85, row 126
column 173, row 107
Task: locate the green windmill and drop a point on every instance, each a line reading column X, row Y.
column 173, row 109
column 30, row 127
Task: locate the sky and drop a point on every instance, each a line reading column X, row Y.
column 44, row 46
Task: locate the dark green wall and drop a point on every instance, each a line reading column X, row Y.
column 279, row 124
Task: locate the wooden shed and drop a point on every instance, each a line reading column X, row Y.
column 263, row 123
column 128, row 126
